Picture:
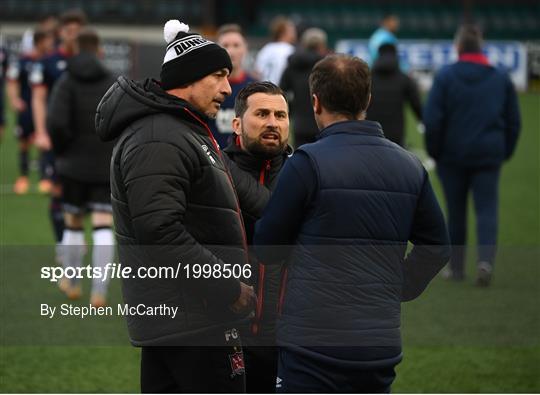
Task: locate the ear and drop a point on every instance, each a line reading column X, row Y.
column 317, row 109
column 237, row 125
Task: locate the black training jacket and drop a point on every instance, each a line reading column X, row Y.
column 80, row 154
column 265, row 279
column 173, row 201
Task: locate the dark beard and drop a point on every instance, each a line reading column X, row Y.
column 259, row 150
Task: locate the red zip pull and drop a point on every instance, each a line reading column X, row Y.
column 264, row 169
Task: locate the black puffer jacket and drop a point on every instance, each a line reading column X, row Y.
column 266, row 172
column 295, row 80
column 173, row 201
column 80, row 154
column 391, row 90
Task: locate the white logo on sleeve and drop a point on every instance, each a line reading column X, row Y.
column 209, row 154
column 278, row 382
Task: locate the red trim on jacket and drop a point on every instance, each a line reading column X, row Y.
column 476, row 57
column 256, row 323
column 216, row 146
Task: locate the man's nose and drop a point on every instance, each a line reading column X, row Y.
column 226, row 87
column 271, row 120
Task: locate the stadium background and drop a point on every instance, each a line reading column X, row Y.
column 457, row 338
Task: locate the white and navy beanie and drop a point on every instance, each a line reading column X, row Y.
column 189, row 56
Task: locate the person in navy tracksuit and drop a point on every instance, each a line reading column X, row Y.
column 472, row 125
column 341, row 216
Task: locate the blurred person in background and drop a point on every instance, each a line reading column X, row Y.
column 272, row 58
column 44, row 75
column 260, row 147
column 48, row 23
column 82, row 162
column 472, row 125
column 20, row 97
column 3, row 67
column 233, row 40
column 391, row 90
column 294, row 81
column 343, row 211
column 385, row 34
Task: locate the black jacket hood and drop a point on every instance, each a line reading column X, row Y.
column 127, row 101
column 303, row 59
column 86, row 67
column 386, row 64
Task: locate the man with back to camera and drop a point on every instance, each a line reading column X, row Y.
column 472, row 126
column 260, row 147
column 341, row 215
column 294, row 81
column 174, row 202
column 385, row 34
column 82, row 162
column 391, row 89
column 231, row 38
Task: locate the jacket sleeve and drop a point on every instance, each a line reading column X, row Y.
column 59, row 115
column 434, row 117
column 431, row 249
column 157, row 177
column 252, row 196
column 512, row 119
column 278, row 228
column 413, row 97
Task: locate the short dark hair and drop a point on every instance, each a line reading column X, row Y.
column 88, row 40
column 278, row 26
column 389, row 15
column 73, row 16
column 342, row 84
column 240, row 102
column 230, row 28
column 41, row 34
column 469, row 38
column 387, row 49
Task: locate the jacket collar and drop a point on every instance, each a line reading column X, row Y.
column 250, row 161
column 474, row 57
column 349, row 127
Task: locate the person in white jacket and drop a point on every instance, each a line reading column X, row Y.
column 272, row 58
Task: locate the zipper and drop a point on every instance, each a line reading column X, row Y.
column 256, row 323
column 238, row 212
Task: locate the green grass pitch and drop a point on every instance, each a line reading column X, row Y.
column 457, row 338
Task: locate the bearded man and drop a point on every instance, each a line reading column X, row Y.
column 261, row 130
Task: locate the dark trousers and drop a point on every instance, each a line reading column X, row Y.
column 299, row 373
column 261, row 369
column 192, row 370
column 484, row 184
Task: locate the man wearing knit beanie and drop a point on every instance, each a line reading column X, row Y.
column 175, row 206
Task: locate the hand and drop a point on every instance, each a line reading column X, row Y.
column 246, row 301
column 42, row 141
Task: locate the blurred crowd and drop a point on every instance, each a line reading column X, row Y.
column 470, row 120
